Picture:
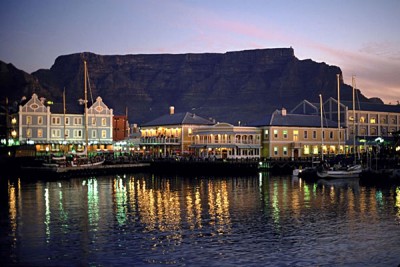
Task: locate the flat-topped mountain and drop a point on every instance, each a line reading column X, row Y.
column 230, row 87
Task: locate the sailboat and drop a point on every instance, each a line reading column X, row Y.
column 339, row 171
column 81, row 159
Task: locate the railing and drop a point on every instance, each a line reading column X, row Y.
column 160, row 140
column 227, row 143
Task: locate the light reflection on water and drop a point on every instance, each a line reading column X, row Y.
column 142, row 219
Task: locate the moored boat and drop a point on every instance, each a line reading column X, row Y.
column 352, row 171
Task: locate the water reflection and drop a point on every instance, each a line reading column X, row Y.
column 185, row 220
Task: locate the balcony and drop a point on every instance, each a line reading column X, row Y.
column 295, row 145
column 159, row 141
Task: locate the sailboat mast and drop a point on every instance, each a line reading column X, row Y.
column 64, row 110
column 86, row 115
column 322, row 128
column 354, row 118
column 338, row 110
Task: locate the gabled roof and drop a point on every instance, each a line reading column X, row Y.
column 179, row 119
column 300, row 120
column 295, row 120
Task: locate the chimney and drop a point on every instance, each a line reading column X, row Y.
column 283, row 112
column 171, row 110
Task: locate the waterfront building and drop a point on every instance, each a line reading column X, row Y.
column 226, row 141
column 286, row 135
column 365, row 124
column 120, row 127
column 170, row 134
column 51, row 129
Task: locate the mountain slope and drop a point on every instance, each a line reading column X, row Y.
column 231, row 87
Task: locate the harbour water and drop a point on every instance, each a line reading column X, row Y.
column 146, row 220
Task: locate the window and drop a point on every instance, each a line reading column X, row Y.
column 103, row 134
column 66, row 120
column 40, row 133
column 94, row 133
column 266, row 133
column 295, row 135
column 55, row 133
column 306, row 150
column 305, row 134
column 93, row 121
column 285, row 134
column 78, row 121
column 275, row 133
column 103, row 122
column 40, row 120
column 28, row 120
column 372, row 120
column 66, row 133
column 362, row 119
column 285, row 151
column 315, row 150
column 323, row 134
column 56, row 120
column 28, row 133
column 314, row 134
column 275, row 150
column 78, row 133
column 331, row 135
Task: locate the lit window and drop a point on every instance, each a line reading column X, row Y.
column 266, row 133
column 295, row 135
column 372, row 120
column 275, row 150
column 275, row 133
column 306, row 150
column 103, row 134
column 40, row 133
column 103, row 122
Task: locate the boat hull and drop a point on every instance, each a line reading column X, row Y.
column 351, row 172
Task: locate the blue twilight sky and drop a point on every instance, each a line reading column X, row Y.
column 362, row 37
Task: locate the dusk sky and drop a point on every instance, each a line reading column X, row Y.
column 361, row 37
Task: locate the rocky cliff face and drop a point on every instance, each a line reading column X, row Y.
column 230, row 87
